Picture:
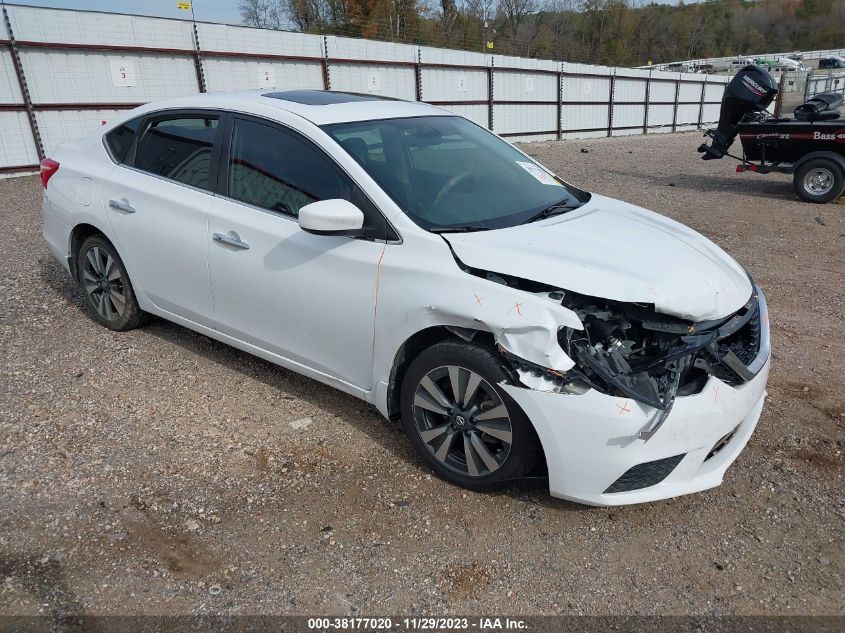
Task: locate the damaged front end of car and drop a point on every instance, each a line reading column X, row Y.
column 630, row 350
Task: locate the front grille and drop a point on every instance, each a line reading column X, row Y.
column 745, row 343
column 645, row 474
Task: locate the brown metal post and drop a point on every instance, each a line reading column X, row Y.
column 27, row 100
column 779, row 98
column 324, row 64
column 198, row 61
column 559, row 105
column 610, row 106
column 490, row 97
column 675, row 108
column 701, row 105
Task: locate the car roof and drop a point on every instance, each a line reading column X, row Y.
column 321, row 107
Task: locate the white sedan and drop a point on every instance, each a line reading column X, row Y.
column 516, row 325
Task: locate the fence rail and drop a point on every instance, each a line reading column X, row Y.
column 63, row 73
column 825, row 81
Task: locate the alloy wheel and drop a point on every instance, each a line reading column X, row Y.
column 818, row 181
column 104, row 283
column 462, row 421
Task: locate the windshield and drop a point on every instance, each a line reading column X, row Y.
column 447, row 173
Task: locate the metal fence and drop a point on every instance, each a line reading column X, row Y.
column 825, row 81
column 63, row 73
column 805, row 56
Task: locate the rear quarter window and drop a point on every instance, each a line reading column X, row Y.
column 120, row 138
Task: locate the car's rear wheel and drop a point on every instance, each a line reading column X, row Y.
column 819, row 180
column 103, row 281
column 461, row 422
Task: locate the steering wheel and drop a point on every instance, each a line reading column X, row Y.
column 447, row 188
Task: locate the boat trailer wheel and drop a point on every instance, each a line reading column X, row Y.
column 819, row 180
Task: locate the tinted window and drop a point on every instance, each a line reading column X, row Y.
column 279, row 171
column 179, row 149
column 323, row 97
column 120, row 138
column 446, row 172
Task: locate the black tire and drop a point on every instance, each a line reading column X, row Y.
column 825, row 171
column 109, row 282
column 517, row 460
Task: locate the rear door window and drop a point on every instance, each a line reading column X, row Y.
column 179, row 148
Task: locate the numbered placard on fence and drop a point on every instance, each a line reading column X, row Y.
column 123, row 72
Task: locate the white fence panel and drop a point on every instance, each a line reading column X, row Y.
column 17, row 147
column 454, row 84
column 84, row 76
column 512, row 119
column 690, row 90
column 103, row 29
column 584, row 121
column 67, row 125
column 431, row 55
column 660, row 118
column 386, row 81
column 713, row 98
column 577, row 88
column 688, row 117
column 10, row 92
column 475, row 113
column 242, row 39
column 244, row 74
column 662, row 88
column 350, row 48
column 630, row 117
column 524, row 86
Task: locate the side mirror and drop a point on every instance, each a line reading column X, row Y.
column 331, row 217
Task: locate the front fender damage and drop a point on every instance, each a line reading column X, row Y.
column 524, row 325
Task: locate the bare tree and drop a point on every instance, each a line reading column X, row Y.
column 264, row 14
column 448, row 17
column 483, row 12
column 306, row 15
column 516, row 13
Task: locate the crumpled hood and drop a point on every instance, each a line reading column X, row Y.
column 615, row 250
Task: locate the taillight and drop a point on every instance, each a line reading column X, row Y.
column 48, row 168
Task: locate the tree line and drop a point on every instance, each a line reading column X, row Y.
column 612, row 32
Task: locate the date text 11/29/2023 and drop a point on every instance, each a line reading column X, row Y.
column 417, row 624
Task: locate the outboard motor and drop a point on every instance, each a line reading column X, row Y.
column 751, row 90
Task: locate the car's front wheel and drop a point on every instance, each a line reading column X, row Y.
column 103, row 280
column 461, row 422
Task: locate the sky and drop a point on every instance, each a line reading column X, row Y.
column 224, row 11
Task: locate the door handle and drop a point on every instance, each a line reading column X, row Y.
column 230, row 241
column 122, row 205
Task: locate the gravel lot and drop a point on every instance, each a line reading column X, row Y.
column 158, row 471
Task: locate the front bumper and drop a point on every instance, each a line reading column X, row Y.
column 591, row 440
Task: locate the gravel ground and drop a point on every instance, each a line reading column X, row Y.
column 158, row 471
